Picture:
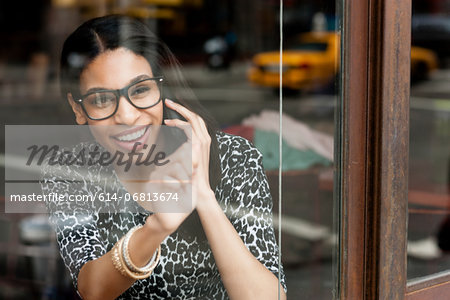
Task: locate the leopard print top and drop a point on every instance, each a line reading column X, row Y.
column 186, row 269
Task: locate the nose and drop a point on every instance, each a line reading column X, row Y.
column 126, row 113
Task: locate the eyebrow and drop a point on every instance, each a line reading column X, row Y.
column 133, row 80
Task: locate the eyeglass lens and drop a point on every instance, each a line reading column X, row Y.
column 103, row 104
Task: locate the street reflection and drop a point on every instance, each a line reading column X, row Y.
column 242, row 108
column 429, row 151
column 216, row 42
column 429, row 176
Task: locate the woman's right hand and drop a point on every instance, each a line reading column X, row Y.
column 168, row 191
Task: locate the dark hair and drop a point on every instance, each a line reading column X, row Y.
column 111, row 32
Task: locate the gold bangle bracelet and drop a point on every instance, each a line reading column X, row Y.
column 120, row 265
column 116, row 259
column 151, row 264
column 128, row 272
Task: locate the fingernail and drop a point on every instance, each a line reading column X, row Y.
column 169, row 101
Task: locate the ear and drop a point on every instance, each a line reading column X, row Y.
column 80, row 116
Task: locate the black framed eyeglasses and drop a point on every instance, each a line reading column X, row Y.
column 102, row 104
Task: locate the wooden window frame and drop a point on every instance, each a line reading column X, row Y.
column 373, row 135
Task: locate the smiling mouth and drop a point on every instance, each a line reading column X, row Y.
column 131, row 136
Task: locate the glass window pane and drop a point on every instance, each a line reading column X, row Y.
column 229, row 56
column 429, row 168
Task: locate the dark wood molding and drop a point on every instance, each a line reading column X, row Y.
column 352, row 136
column 388, row 143
column 417, row 286
column 375, row 135
column 428, row 290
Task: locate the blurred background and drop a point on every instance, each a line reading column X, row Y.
column 229, row 52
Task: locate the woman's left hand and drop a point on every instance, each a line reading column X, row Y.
column 201, row 142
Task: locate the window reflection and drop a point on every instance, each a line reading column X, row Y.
column 220, row 44
column 429, row 167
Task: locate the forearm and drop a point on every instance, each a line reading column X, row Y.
column 243, row 275
column 98, row 279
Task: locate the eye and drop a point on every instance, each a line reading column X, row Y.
column 140, row 90
column 101, row 100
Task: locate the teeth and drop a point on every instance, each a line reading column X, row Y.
column 132, row 136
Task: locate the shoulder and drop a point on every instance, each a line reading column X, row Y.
column 237, row 155
column 243, row 182
column 232, row 146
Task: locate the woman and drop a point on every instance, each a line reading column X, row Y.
column 224, row 248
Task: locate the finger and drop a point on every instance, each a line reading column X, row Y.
column 198, row 124
column 202, row 135
column 186, row 113
column 198, row 127
column 204, row 130
column 190, row 116
column 185, row 126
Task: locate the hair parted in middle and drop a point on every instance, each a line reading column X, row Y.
column 108, row 33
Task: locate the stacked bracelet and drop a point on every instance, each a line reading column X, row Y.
column 126, row 255
column 116, row 259
column 122, row 261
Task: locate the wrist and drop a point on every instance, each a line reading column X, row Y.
column 154, row 228
column 207, row 202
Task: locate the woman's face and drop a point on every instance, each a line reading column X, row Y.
column 113, row 70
